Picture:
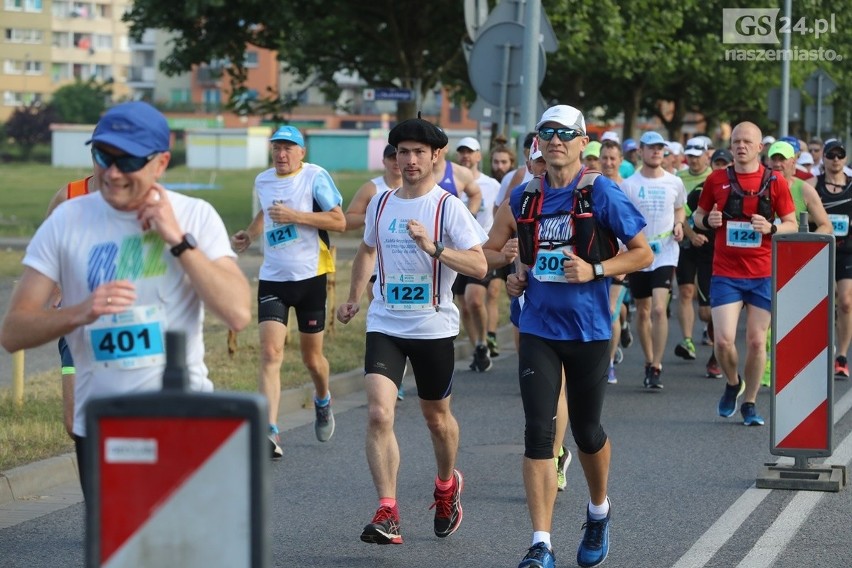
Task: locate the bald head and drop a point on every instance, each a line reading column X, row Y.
column 746, row 146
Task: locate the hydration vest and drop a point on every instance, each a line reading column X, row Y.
column 592, row 242
column 734, row 204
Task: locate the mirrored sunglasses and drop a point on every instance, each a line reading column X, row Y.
column 564, row 134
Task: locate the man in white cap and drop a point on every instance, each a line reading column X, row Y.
column 565, row 324
column 133, row 261
column 300, row 204
column 479, row 297
column 694, row 261
column 661, row 197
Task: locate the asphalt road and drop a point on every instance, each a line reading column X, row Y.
column 681, row 485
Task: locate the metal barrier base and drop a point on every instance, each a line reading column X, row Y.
column 809, row 478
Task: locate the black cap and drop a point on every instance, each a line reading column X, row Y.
column 418, row 130
column 722, row 154
column 831, row 145
column 528, row 139
column 390, row 150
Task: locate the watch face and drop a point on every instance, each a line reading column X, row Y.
column 190, row 240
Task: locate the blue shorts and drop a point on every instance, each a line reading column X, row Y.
column 752, row 291
column 515, row 311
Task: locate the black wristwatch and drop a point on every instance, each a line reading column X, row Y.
column 599, row 271
column 439, row 248
column 187, row 243
column 773, row 229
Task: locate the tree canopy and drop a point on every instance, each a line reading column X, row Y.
column 613, row 55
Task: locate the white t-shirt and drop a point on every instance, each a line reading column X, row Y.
column 85, row 243
column 505, row 190
column 657, row 199
column 409, row 275
column 293, row 252
column 489, row 188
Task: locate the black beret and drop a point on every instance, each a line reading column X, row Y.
column 418, row 130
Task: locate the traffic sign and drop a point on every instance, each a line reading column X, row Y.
column 795, row 99
column 823, row 123
column 496, row 63
column 513, row 11
column 388, row 94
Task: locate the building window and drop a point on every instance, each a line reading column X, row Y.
column 15, row 35
column 32, row 5
column 181, row 96
column 13, row 6
column 251, row 60
column 16, row 99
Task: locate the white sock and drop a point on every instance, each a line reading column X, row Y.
column 541, row 536
column 598, row 512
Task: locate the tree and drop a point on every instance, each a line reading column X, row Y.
column 81, row 102
column 30, row 125
column 387, row 43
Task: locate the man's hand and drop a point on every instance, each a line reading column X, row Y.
column 516, row 283
column 421, row 237
column 677, row 231
column 347, row 311
column 576, row 269
column 760, row 224
column 510, row 250
column 157, row 214
column 697, row 239
column 109, row 298
column 283, row 214
column 714, row 218
column 240, row 241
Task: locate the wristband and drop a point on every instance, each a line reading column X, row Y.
column 705, row 223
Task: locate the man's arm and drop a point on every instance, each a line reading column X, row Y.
column 469, row 187
column 816, row 210
column 362, row 269
column 470, row 262
column 241, row 240
column 332, row 220
column 357, row 210
column 58, row 198
column 498, row 250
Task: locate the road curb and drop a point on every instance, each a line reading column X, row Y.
column 33, row 479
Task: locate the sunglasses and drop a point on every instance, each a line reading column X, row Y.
column 564, row 134
column 835, row 155
column 125, row 163
column 694, row 147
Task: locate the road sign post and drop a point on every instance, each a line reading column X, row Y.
column 802, row 363
column 177, row 478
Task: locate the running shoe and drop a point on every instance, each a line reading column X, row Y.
column 750, row 415
column 275, row 443
column 448, row 509
column 714, row 371
column 619, row 356
column 562, row 463
column 595, row 544
column 481, row 359
column 841, row 368
column 705, row 337
column 400, row 393
column 610, row 376
column 654, row 380
column 324, row 423
column 385, row 527
column 647, row 380
column 728, row 402
column 493, row 349
column 538, row 556
column 686, row 349
column 626, row 336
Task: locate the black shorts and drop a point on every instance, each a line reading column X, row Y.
column 842, row 266
column 461, row 282
column 643, row 283
column 540, row 365
column 695, row 267
column 432, row 360
column 274, row 300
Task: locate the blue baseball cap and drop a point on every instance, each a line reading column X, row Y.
column 136, row 128
column 651, row 138
column 629, row 145
column 792, row 141
column 288, row 134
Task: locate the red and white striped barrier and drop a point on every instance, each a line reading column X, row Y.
column 802, row 344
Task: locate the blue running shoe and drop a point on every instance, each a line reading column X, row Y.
column 595, row 544
column 728, row 402
column 750, row 415
column 538, row 556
